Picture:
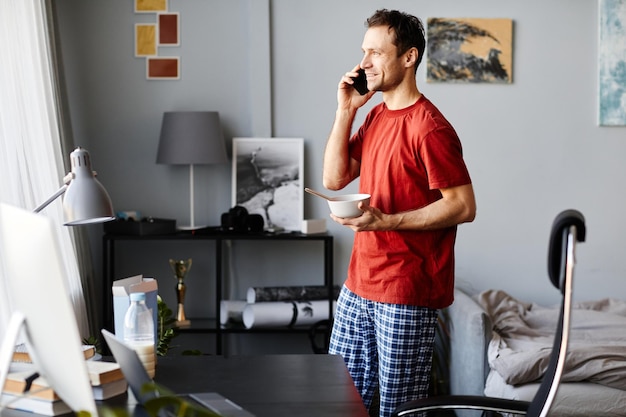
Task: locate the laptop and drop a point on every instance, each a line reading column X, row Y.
column 137, row 377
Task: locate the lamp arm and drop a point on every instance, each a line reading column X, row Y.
column 56, row 195
column 66, row 182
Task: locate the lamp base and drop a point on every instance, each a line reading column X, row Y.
column 194, row 227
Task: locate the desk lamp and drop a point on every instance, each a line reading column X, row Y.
column 85, row 201
column 37, row 289
column 191, row 138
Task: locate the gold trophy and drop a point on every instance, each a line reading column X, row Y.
column 180, row 269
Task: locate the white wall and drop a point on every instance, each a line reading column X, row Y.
column 533, row 147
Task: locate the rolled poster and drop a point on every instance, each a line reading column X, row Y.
column 232, row 311
column 290, row 293
column 285, row 313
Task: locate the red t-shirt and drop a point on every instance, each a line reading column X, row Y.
column 406, row 156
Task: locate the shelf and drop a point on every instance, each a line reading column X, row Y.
column 203, row 325
column 187, row 235
column 210, row 325
column 199, row 325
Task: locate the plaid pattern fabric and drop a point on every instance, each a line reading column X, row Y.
column 385, row 346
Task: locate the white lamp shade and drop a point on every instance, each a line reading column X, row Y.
column 86, row 200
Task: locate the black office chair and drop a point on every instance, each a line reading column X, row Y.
column 567, row 229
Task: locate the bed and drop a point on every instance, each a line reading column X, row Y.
column 499, row 345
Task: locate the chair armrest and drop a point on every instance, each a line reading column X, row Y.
column 454, row 402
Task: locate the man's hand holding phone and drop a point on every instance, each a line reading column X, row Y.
column 351, row 81
column 360, row 82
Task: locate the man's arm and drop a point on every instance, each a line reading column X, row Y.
column 457, row 205
column 339, row 169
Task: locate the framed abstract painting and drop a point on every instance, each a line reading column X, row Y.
column 612, row 63
column 472, row 50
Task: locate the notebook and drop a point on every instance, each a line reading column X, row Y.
column 137, row 377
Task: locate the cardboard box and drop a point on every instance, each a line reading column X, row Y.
column 313, row 226
column 121, row 299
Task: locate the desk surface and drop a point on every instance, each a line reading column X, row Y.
column 268, row 386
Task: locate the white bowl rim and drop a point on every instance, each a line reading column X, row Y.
column 350, row 197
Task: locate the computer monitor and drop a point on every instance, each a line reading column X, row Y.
column 40, row 306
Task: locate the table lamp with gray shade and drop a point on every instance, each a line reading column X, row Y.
column 85, row 200
column 191, row 138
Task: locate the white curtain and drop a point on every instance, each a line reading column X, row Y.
column 31, row 160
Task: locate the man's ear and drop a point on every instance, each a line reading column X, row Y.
column 410, row 57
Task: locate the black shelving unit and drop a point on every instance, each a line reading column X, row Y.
column 211, row 325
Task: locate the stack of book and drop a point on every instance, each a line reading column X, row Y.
column 106, row 379
column 20, row 353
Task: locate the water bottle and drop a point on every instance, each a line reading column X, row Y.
column 139, row 331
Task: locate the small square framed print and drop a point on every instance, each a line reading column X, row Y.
column 145, row 39
column 150, row 6
column 169, row 29
column 163, row 68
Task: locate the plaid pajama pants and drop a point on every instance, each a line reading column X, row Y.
column 385, row 346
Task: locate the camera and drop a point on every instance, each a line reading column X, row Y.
column 237, row 219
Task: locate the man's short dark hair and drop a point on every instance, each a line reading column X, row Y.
column 408, row 30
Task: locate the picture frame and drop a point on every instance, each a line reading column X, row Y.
column 611, row 50
column 150, row 6
column 169, row 29
column 145, row 39
column 267, row 179
column 163, row 68
column 480, row 52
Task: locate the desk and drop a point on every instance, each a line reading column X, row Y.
column 269, row 386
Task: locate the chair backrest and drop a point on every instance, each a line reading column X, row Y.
column 568, row 228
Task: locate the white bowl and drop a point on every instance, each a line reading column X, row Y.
column 347, row 206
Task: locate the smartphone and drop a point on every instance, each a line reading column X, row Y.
column 360, row 82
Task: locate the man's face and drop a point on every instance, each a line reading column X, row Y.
column 382, row 65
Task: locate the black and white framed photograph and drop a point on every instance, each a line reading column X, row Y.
column 268, row 180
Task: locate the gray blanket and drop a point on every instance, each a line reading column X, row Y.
column 523, row 336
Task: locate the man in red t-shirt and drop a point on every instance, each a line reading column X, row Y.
column 409, row 158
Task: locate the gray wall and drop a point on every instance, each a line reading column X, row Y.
column 271, row 67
